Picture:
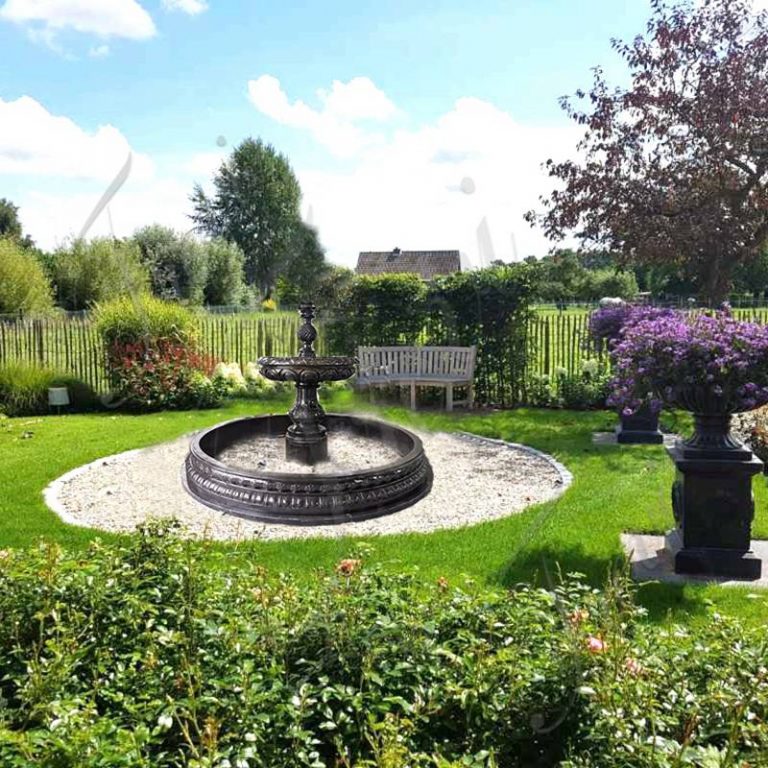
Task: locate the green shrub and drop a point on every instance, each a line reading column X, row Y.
column 488, row 308
column 24, row 286
column 541, row 391
column 152, row 356
column 582, row 391
column 378, row 310
column 162, row 653
column 86, row 272
column 130, row 319
column 226, row 283
column 178, row 264
column 24, row 389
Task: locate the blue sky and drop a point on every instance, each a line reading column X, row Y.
column 383, row 109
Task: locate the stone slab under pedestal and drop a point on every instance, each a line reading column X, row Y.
column 650, row 561
column 610, row 438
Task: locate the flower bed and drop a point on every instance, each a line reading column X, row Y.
column 148, row 654
column 153, row 360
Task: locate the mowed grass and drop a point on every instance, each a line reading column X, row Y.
column 614, row 490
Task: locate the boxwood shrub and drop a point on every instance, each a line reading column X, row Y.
column 159, row 652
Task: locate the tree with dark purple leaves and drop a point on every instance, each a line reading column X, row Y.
column 673, row 169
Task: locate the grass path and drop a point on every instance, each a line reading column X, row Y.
column 615, row 489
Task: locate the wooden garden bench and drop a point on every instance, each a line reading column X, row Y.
column 446, row 367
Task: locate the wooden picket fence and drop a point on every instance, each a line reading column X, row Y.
column 71, row 345
column 557, row 342
column 554, row 341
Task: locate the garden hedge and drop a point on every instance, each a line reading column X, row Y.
column 160, row 652
column 488, row 308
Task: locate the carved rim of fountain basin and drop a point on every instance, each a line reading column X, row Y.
column 300, row 498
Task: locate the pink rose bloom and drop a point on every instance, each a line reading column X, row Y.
column 633, row 666
column 596, row 644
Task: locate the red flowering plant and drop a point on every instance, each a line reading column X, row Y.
column 152, row 356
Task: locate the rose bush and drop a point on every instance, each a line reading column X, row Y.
column 166, row 653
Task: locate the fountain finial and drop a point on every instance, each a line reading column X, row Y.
column 307, row 332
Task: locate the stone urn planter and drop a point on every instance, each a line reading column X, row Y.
column 712, row 497
column 640, row 428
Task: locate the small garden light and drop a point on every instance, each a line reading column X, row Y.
column 58, row 397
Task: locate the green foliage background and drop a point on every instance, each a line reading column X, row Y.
column 24, row 286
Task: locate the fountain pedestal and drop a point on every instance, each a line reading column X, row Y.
column 306, row 440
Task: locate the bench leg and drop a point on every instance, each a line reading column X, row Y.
column 470, row 397
column 413, row 395
column 449, row 397
column 371, row 395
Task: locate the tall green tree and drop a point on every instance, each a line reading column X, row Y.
column 24, row 286
column 225, row 284
column 10, row 224
column 305, row 267
column 86, row 272
column 255, row 204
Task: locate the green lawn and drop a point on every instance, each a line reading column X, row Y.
column 615, row 489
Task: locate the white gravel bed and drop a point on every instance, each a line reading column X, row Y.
column 346, row 452
column 475, row 480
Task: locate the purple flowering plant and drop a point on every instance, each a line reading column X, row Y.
column 711, row 363
column 607, row 324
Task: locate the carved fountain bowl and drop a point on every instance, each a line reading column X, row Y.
column 308, row 369
column 301, row 498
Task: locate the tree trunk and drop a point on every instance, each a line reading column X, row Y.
column 714, row 279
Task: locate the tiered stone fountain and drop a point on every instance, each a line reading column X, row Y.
column 306, row 497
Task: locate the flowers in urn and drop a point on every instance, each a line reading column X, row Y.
column 607, row 327
column 701, row 363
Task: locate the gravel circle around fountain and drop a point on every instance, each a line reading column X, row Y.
column 476, row 479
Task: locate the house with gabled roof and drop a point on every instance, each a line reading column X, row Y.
column 426, row 264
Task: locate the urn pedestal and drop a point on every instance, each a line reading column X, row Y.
column 641, row 428
column 713, row 503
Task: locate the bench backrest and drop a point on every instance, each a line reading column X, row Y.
column 458, row 362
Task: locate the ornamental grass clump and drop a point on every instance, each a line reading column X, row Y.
column 708, row 363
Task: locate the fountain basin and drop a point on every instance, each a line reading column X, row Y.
column 302, row 498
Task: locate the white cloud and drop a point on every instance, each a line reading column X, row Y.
column 104, row 18
column 35, row 142
column 404, row 189
column 99, row 51
column 335, row 124
column 51, row 218
column 192, row 7
column 407, row 191
column 202, row 165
